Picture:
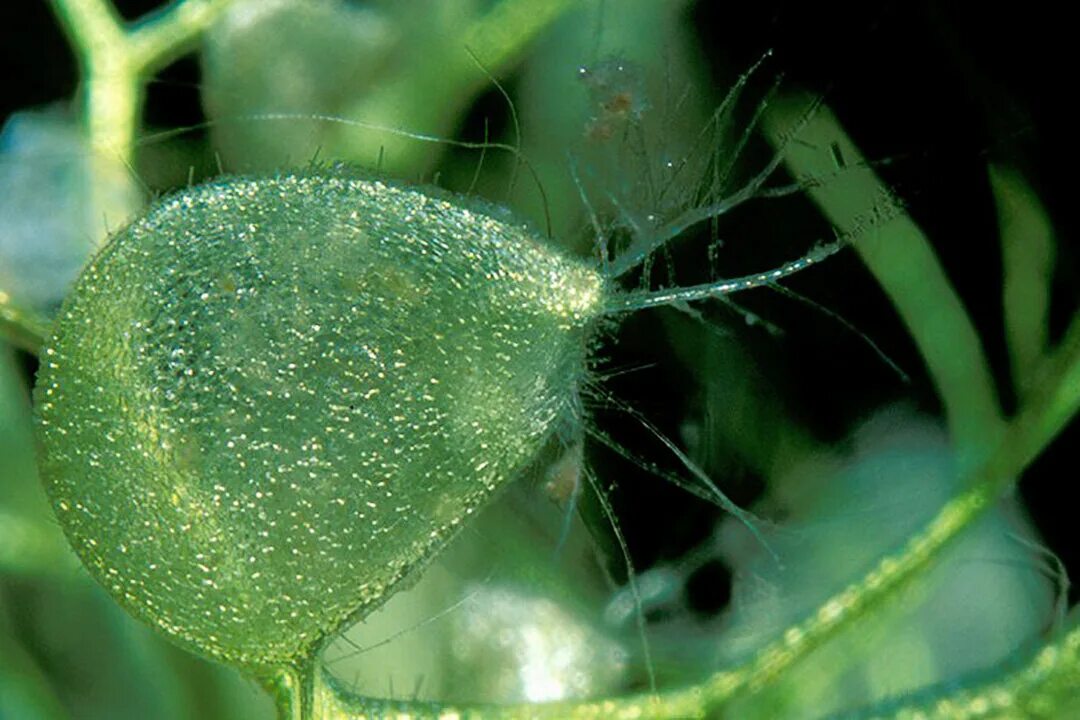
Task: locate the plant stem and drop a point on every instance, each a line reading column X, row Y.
column 334, row 702
column 116, row 63
column 1027, row 258
column 291, row 687
column 903, row 261
column 161, row 38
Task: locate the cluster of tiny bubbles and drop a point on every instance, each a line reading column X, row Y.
column 269, row 401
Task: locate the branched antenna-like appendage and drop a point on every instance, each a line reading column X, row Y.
column 644, row 299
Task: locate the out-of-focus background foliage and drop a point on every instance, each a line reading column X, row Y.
column 793, row 413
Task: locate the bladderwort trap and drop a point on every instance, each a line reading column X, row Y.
column 273, row 397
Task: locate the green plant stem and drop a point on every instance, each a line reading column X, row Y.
column 334, row 702
column 1055, row 397
column 291, row 689
column 116, row 63
column 903, row 261
column 1027, row 255
column 156, row 41
column 112, row 92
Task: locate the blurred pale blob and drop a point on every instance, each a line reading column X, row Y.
column 527, row 647
column 283, row 57
column 500, row 617
column 57, row 203
column 500, row 642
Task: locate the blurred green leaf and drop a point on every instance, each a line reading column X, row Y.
column 1027, row 247
column 30, row 541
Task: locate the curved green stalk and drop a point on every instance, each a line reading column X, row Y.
column 1027, row 255
column 116, row 62
column 291, row 689
column 335, row 702
column 903, row 261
